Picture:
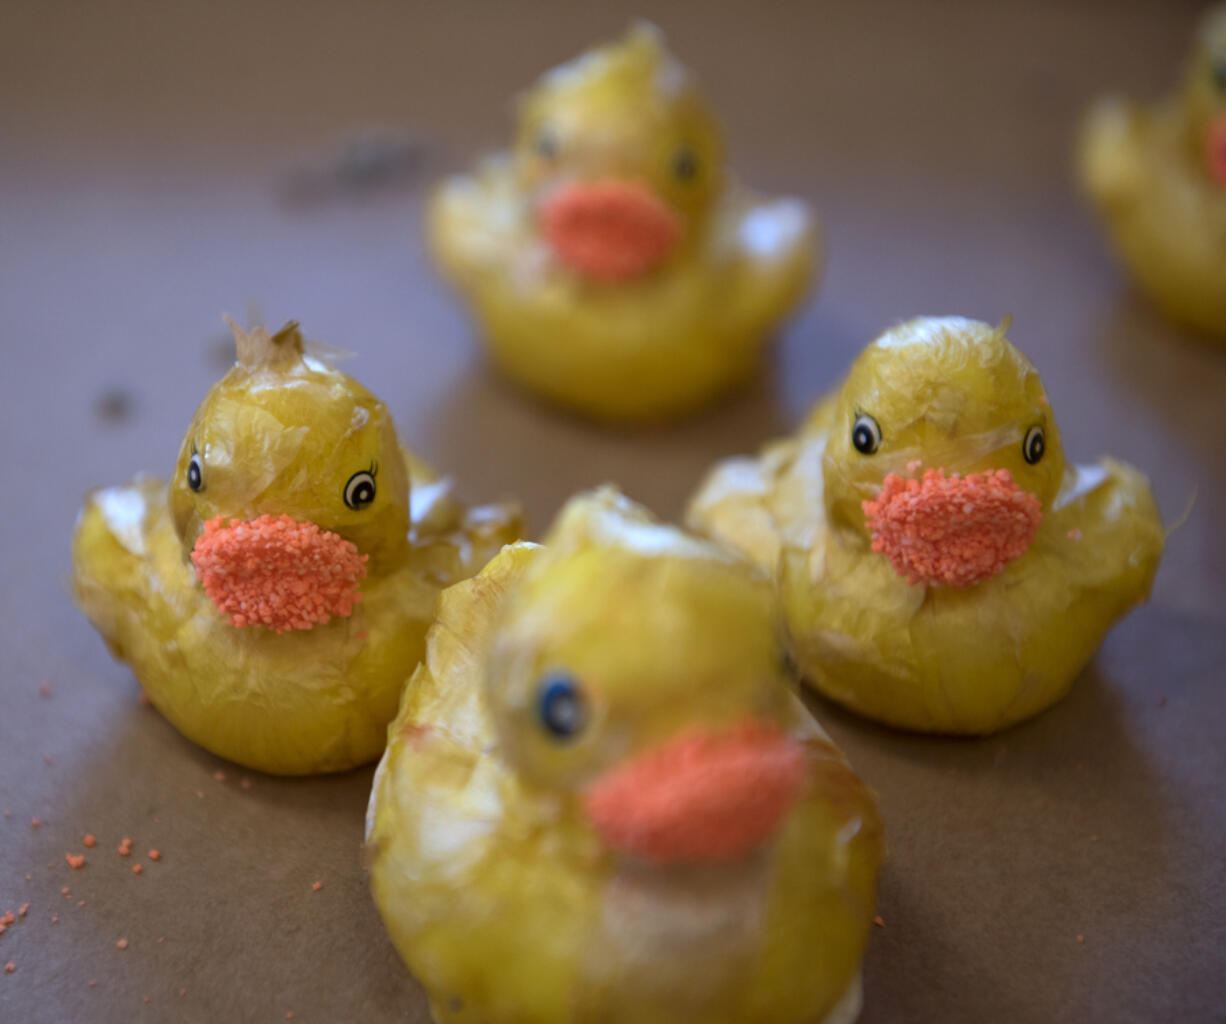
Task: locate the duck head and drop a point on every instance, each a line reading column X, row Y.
column 290, row 487
column 1204, row 96
column 943, row 453
column 637, row 675
column 621, row 159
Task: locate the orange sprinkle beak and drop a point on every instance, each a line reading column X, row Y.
column 277, row 572
column 610, row 230
column 1215, row 149
column 702, row 798
column 952, row 531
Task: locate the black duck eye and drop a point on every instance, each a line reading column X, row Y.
column 195, row 472
column 865, row 434
column 685, row 165
column 547, row 145
column 360, row 490
column 1034, row 445
column 561, row 706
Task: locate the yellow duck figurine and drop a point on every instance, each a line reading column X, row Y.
column 1158, row 177
column 601, row 802
column 274, row 597
column 942, row 568
column 612, row 267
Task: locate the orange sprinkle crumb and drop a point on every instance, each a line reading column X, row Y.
column 44, row 689
column 90, row 839
column 200, row 793
column 76, row 861
column 144, row 699
column 3, row 928
column 161, row 938
column 23, row 910
column 125, row 847
column 55, row 918
column 316, row 886
column 8, row 918
column 952, row 531
column 146, row 999
column 277, row 572
column 1081, row 938
column 65, row 891
column 10, row 967
column 92, row 982
column 879, row 921
column 155, row 854
column 137, row 869
column 289, row 1014
column 80, row 903
column 219, row 776
column 182, row 992
column 34, row 823
column 121, row 944
column 245, row 782
column 1074, row 534
column 28, row 877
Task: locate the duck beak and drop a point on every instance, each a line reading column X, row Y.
column 952, row 531
column 278, row 572
column 702, row 798
column 610, row 230
column 1215, row 149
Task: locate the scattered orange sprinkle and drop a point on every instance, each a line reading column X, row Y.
column 23, row 910
column 245, row 782
column 27, row 878
column 289, row 1014
column 34, row 823
column 155, row 854
column 3, row 928
column 182, row 992
column 879, row 921
column 90, row 839
column 92, row 982
column 76, row 861
column 952, row 531
column 146, row 999
column 137, row 869
column 8, row 918
column 125, row 847
column 200, row 793
column 1074, row 534
column 10, row 967
column 65, row 891
column 44, row 689
column 55, row 918
column 80, row 903
column 144, row 699
column 275, row 571
column 219, row 775
column 121, row 944
column 1081, row 938
column 363, row 634
column 316, row 886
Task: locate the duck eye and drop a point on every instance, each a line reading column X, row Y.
column 360, row 490
column 547, row 144
column 561, row 706
column 685, row 165
column 1034, row 445
column 865, row 434
column 195, row 472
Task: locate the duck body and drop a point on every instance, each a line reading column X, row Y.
column 294, row 692
column 611, row 267
column 513, row 900
column 1157, row 176
column 970, row 653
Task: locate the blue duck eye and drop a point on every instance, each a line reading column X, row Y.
column 561, row 706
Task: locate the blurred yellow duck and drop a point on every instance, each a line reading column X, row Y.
column 941, row 567
column 602, row 802
column 273, row 598
column 612, row 266
column 1158, row 176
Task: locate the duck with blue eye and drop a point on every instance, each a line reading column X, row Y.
column 273, row 596
column 602, row 800
column 611, row 262
column 941, row 566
